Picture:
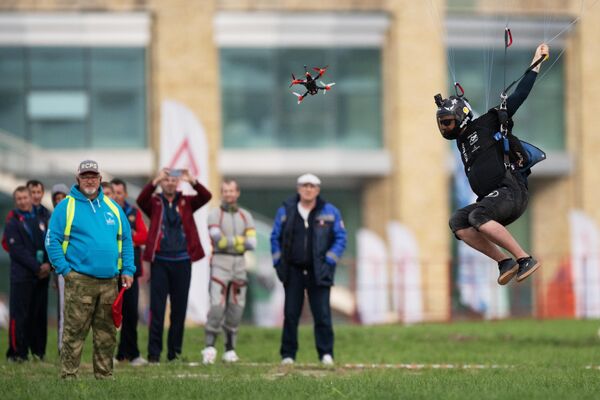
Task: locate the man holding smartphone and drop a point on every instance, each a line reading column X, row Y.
column 172, row 245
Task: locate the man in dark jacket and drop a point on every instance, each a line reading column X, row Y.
column 307, row 241
column 173, row 244
column 39, row 307
column 28, row 265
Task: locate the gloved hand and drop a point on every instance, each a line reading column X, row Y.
column 239, row 244
column 222, row 243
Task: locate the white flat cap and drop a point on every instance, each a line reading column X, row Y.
column 308, row 179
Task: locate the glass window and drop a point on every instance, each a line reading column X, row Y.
column 58, row 134
column 112, row 124
column 74, row 97
column 57, row 105
column 12, row 67
column 117, row 86
column 259, row 109
column 12, row 111
column 52, row 68
column 117, row 68
column 12, row 87
column 540, row 120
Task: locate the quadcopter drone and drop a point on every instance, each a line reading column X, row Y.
column 310, row 83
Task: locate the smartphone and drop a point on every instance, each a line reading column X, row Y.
column 175, row 172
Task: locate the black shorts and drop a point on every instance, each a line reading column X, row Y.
column 503, row 205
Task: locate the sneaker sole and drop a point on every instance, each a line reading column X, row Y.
column 526, row 274
column 508, row 275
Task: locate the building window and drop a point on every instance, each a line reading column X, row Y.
column 74, row 97
column 260, row 111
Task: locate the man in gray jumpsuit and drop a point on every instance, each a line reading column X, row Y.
column 232, row 232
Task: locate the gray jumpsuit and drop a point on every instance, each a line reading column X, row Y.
column 232, row 232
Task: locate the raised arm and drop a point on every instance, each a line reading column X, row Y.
column 202, row 196
column 516, row 99
column 144, row 200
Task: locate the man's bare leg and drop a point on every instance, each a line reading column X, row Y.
column 498, row 234
column 479, row 242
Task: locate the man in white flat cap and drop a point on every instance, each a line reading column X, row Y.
column 307, row 241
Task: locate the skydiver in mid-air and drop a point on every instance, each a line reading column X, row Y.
column 495, row 172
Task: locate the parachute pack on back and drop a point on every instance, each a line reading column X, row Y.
column 522, row 155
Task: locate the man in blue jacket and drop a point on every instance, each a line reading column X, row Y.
column 89, row 244
column 307, row 241
column 28, row 265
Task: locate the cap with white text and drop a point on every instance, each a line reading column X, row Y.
column 88, row 166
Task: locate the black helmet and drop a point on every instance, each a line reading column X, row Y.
column 459, row 108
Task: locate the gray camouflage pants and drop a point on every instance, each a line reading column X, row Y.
column 88, row 302
column 228, row 283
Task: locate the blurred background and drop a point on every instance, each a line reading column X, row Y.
column 142, row 84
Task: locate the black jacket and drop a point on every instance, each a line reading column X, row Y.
column 481, row 154
column 25, row 236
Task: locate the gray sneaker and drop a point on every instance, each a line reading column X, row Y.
column 508, row 269
column 138, row 362
column 527, row 266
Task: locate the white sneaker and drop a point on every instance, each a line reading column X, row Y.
column 230, row 357
column 327, row 359
column 209, row 355
column 287, row 361
column 138, row 361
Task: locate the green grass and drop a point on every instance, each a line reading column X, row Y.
column 537, row 359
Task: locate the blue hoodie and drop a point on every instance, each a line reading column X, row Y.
column 92, row 247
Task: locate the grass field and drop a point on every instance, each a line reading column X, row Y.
column 522, row 359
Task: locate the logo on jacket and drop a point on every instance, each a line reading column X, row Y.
column 495, row 193
column 109, row 218
column 473, row 138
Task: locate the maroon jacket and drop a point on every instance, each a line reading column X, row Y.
column 151, row 204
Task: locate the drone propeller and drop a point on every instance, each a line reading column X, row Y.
column 327, row 86
column 296, row 81
column 321, row 71
column 299, row 96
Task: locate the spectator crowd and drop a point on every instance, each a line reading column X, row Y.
column 92, row 248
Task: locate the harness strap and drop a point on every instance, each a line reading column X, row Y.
column 69, row 224
column 115, row 210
